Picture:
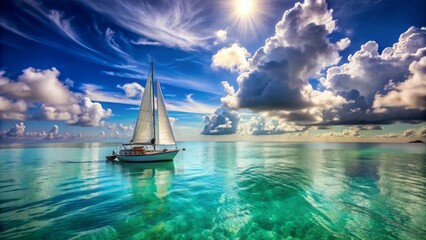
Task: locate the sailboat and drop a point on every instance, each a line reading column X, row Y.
column 150, row 137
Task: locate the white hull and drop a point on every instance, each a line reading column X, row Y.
column 155, row 157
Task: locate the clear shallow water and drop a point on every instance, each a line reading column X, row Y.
column 216, row 191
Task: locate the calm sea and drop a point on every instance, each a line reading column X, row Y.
column 215, row 190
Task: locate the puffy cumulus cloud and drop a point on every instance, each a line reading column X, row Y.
column 221, row 36
column 277, row 78
column 349, row 132
column 172, row 120
column 381, row 88
column 233, row 58
column 343, row 43
column 53, row 133
column 84, row 113
column 369, row 127
column 389, row 135
column 223, row 121
column 16, row 131
column 37, row 85
column 264, row 125
column 132, row 89
column 34, row 87
column 111, row 126
column 12, row 109
column 19, row 133
column 420, row 132
column 368, row 71
column 372, row 88
column 410, row 93
column 408, row 133
column 123, row 127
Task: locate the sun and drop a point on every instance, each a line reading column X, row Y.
column 246, row 15
column 245, row 7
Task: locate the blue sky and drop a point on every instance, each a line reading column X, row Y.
column 230, row 70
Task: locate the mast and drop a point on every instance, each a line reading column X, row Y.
column 153, row 101
column 158, row 116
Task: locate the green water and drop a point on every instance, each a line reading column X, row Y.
column 215, row 191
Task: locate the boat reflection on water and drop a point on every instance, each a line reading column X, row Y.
column 149, row 177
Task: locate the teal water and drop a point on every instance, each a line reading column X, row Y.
column 215, row 191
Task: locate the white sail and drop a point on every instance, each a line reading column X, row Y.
column 144, row 129
column 165, row 133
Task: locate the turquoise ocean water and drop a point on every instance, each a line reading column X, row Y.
column 215, row 190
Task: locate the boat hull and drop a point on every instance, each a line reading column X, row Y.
column 155, row 157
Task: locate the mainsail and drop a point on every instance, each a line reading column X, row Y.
column 165, row 133
column 144, row 129
column 145, row 126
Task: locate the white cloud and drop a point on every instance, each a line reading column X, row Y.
column 262, row 124
column 172, row 120
column 186, row 82
column 10, row 109
column 172, row 23
column 64, row 25
column 111, row 126
column 343, row 43
column 143, row 41
column 368, row 71
column 84, row 113
column 132, row 89
column 189, row 105
column 275, row 79
column 123, row 127
column 408, row 133
column 96, row 93
column 349, row 132
column 410, row 93
column 109, row 36
column 16, row 131
column 233, row 58
column 222, row 122
column 35, row 87
column 221, row 36
column 53, row 133
column 19, row 132
column 381, row 88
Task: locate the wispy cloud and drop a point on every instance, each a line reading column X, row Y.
column 143, row 41
column 178, row 24
column 181, row 82
column 109, row 35
column 37, row 23
column 188, row 105
column 64, row 25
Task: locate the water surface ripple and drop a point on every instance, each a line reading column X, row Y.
column 215, row 190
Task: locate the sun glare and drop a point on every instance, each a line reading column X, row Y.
column 247, row 15
column 245, row 7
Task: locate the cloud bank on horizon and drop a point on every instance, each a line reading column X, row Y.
column 81, row 66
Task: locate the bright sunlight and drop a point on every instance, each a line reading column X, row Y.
column 247, row 14
column 245, row 7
